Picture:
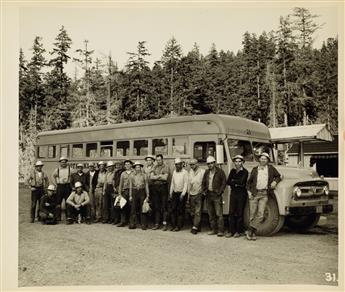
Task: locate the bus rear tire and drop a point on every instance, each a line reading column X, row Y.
column 272, row 222
column 301, row 223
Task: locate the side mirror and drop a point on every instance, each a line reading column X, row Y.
column 219, row 154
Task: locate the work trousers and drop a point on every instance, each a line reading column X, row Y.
column 178, row 208
column 236, row 209
column 72, row 212
column 257, row 205
column 108, row 202
column 159, row 202
column 98, row 203
column 215, row 211
column 92, row 203
column 125, row 211
column 195, row 203
column 46, row 219
column 36, row 196
column 138, row 197
column 62, row 193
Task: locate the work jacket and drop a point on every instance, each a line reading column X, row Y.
column 218, row 182
column 273, row 175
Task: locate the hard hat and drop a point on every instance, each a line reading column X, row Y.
column 101, row 163
column 238, row 157
column 39, row 163
column 210, row 159
column 130, row 161
column 78, row 184
column 80, row 165
column 110, row 163
column 150, row 157
column 137, row 163
column 178, row 160
column 193, row 161
column 91, row 164
column 51, row 188
column 63, row 158
column 265, row 154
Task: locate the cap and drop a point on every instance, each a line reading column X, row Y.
column 101, row 163
column 63, row 158
column 178, row 160
column 51, row 188
column 265, row 154
column 238, row 157
column 39, row 163
column 130, row 161
column 80, row 165
column 150, row 156
column 193, row 161
column 110, row 163
column 210, row 159
column 137, row 163
column 78, row 184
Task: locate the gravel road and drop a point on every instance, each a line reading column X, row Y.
column 102, row 254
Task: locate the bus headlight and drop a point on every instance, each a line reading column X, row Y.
column 297, row 191
column 326, row 190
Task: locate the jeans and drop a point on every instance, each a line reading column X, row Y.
column 98, row 203
column 45, row 216
column 36, row 196
column 125, row 211
column 237, row 204
column 178, row 207
column 257, row 205
column 215, row 211
column 108, row 202
column 62, row 193
column 72, row 212
column 195, row 203
column 138, row 197
column 159, row 201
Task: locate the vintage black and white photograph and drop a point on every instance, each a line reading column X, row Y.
column 166, row 144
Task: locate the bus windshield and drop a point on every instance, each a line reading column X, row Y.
column 259, row 147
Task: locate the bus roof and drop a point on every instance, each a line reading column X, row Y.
column 226, row 124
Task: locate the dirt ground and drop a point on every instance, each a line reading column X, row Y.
column 102, row 254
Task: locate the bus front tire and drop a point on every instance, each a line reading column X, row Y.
column 301, row 223
column 272, row 222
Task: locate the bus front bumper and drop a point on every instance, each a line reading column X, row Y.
column 306, row 210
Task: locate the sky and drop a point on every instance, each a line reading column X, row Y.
column 117, row 28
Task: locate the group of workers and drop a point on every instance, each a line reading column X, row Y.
column 126, row 193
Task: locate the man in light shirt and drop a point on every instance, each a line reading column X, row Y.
column 178, row 195
column 62, row 179
column 196, row 175
column 262, row 181
column 78, row 205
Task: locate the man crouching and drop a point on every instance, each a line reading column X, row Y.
column 78, row 205
column 48, row 207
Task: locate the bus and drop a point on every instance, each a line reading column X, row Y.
column 298, row 201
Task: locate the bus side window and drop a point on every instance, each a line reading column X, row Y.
column 122, row 148
column 107, row 148
column 140, row 147
column 204, row 149
column 240, row 147
column 77, row 150
column 179, row 145
column 160, row 146
column 42, row 151
column 64, row 150
column 51, row 151
column 91, row 150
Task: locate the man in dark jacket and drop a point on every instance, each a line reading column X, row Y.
column 91, row 183
column 48, row 207
column 79, row 176
column 237, row 180
column 261, row 183
column 214, row 183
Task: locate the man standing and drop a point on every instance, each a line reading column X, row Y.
column 48, row 209
column 214, row 183
column 178, row 195
column 196, row 175
column 38, row 181
column 125, row 188
column 91, row 182
column 159, row 194
column 237, row 180
column 62, row 179
column 78, row 204
column 115, row 211
column 138, row 193
column 108, row 192
column 79, row 176
column 262, row 181
column 101, row 173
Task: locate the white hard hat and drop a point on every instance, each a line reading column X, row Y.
column 210, row 159
column 39, row 163
column 80, row 165
column 193, row 161
column 178, row 160
column 78, row 184
column 150, row 157
column 63, row 158
column 110, row 163
column 137, row 163
column 238, row 157
column 51, row 188
column 101, row 162
column 265, row 154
